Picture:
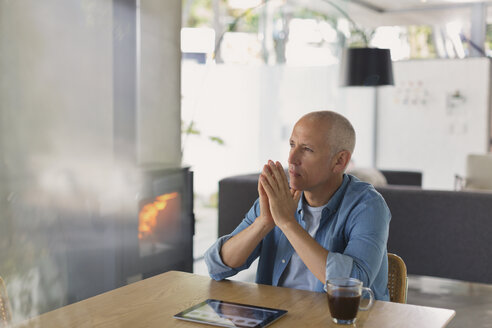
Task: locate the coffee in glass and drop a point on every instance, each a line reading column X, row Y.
column 344, row 299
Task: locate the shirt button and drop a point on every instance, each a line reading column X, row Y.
column 283, row 261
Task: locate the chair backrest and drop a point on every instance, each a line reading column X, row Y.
column 397, row 279
column 5, row 312
column 478, row 172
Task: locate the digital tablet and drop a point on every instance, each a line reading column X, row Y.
column 228, row 314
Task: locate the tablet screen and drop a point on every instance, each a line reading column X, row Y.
column 228, row 314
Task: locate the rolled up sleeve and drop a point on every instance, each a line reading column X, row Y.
column 216, row 267
column 338, row 265
column 367, row 234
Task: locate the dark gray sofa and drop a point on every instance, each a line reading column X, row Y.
column 437, row 233
column 442, row 233
column 237, row 194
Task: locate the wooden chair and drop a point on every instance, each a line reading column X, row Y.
column 5, row 311
column 397, row 279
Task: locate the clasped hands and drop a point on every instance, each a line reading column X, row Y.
column 278, row 202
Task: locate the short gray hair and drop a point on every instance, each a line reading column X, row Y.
column 341, row 133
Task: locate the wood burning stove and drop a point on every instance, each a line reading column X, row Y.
column 159, row 235
column 120, row 243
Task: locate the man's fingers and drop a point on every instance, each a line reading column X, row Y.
column 265, row 184
column 261, row 191
column 268, row 173
column 275, row 172
column 282, row 176
column 296, row 195
column 278, row 174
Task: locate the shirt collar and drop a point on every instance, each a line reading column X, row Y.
column 334, row 201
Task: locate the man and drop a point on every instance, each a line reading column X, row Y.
column 326, row 224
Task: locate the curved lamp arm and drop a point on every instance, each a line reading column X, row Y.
column 354, row 25
column 233, row 24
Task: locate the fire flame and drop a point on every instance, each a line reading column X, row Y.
column 148, row 215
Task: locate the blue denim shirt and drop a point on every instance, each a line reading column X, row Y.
column 353, row 228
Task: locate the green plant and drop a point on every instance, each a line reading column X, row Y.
column 420, row 41
column 190, row 128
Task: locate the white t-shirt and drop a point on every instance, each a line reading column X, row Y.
column 296, row 274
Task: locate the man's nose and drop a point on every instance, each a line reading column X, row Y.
column 293, row 157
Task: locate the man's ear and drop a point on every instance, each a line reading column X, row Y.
column 342, row 159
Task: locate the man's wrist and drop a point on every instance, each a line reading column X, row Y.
column 264, row 224
column 288, row 224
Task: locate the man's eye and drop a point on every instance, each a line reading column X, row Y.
column 308, row 149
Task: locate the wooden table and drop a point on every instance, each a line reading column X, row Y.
column 154, row 301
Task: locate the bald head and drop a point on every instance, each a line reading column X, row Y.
column 340, row 134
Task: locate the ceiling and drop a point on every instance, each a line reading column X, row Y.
column 372, row 13
column 392, row 5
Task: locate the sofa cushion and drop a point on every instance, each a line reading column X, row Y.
column 369, row 175
column 441, row 233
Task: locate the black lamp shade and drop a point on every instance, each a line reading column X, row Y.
column 366, row 67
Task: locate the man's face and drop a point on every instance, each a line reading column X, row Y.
column 310, row 156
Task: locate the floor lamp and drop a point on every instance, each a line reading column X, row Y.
column 368, row 67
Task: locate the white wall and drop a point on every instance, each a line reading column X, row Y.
column 223, row 101
column 422, row 127
column 253, row 108
column 357, row 104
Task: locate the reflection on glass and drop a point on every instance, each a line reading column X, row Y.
column 227, row 314
column 66, row 199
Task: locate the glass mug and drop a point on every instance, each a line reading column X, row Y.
column 344, row 298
